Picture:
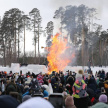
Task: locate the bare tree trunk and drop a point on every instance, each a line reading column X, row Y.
column 38, row 46
column 35, row 42
column 92, row 57
column 35, row 49
column 10, row 54
column 24, row 44
column 83, row 47
column 18, row 45
column 4, row 55
column 102, row 50
column 103, row 56
column 15, row 44
column 7, row 56
column 100, row 53
column 14, row 47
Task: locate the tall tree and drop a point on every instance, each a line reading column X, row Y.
column 36, row 25
column 14, row 15
column 26, row 24
column 76, row 20
column 49, row 30
column 60, row 14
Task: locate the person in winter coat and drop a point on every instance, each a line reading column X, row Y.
column 103, row 98
column 3, row 86
column 7, row 101
column 91, row 94
column 106, row 87
column 81, row 99
column 46, row 87
column 45, row 79
column 106, row 77
column 62, row 79
column 92, row 83
column 102, row 74
column 45, row 92
column 40, row 78
column 101, row 83
column 28, row 80
column 60, row 90
column 35, row 87
column 100, row 105
column 70, row 80
column 10, row 87
column 54, row 84
column 68, row 88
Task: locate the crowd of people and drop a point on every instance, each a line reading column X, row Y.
column 57, row 90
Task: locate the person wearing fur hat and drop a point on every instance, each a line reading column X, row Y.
column 69, row 102
column 80, row 95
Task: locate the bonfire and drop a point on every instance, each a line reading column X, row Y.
column 57, row 54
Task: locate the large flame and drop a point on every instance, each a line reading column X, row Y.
column 56, row 56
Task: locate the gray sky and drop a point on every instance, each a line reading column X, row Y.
column 47, row 9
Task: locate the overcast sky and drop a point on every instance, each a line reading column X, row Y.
column 47, row 9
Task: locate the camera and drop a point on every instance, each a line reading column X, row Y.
column 102, row 90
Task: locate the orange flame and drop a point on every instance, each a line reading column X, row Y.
column 56, row 57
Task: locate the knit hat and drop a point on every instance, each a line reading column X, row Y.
column 26, row 97
column 79, row 75
column 103, row 98
column 36, row 102
column 100, row 105
column 69, row 101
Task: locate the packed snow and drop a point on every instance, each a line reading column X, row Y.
column 15, row 67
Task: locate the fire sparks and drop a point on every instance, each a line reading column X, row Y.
column 57, row 58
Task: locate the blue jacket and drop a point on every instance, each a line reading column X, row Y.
column 45, row 93
column 27, row 93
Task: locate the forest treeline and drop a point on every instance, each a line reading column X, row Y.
column 88, row 37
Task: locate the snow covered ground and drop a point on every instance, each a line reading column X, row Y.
column 41, row 68
column 15, row 67
column 94, row 69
